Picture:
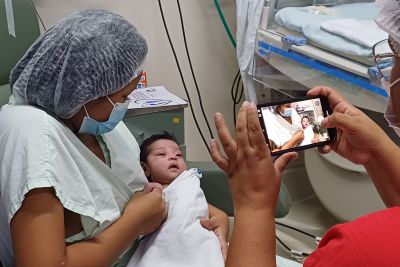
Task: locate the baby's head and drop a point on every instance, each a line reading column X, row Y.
column 305, row 121
column 161, row 158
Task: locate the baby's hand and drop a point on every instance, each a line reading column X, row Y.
column 151, row 186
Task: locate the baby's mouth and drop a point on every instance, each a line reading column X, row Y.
column 173, row 166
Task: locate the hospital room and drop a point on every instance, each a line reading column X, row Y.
column 199, row 133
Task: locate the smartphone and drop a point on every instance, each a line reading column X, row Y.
column 295, row 124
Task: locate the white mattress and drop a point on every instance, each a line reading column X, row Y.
column 307, row 20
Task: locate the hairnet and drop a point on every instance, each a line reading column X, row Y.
column 89, row 54
column 388, row 20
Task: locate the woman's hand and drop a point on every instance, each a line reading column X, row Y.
column 254, row 182
column 253, row 177
column 146, row 210
column 358, row 137
column 149, row 187
column 219, row 224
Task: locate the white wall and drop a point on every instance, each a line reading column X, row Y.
column 213, row 56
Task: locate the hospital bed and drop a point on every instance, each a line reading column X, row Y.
column 301, row 42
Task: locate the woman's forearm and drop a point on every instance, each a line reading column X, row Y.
column 253, row 239
column 384, row 170
column 40, row 220
column 289, row 144
column 106, row 247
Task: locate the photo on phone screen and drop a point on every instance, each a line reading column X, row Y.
column 295, row 124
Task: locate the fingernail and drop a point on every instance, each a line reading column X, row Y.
column 217, row 116
column 252, row 105
column 245, row 104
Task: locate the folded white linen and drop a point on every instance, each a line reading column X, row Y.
column 181, row 241
column 363, row 32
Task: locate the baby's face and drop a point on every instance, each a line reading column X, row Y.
column 164, row 162
column 305, row 122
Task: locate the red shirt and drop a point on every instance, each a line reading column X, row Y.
column 372, row 240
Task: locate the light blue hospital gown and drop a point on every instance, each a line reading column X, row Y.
column 39, row 151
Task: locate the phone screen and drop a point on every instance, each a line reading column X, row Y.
column 295, row 124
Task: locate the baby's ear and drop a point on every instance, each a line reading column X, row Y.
column 145, row 169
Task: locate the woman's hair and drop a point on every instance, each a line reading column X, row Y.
column 144, row 147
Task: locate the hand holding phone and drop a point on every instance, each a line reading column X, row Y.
column 359, row 138
column 295, row 124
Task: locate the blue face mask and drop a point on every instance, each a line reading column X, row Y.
column 91, row 126
column 287, row 112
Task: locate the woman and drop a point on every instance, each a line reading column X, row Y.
column 371, row 240
column 67, row 177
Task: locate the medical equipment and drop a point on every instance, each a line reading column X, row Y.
column 297, row 43
column 305, row 43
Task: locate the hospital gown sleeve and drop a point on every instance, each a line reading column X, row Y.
column 38, row 151
column 371, row 240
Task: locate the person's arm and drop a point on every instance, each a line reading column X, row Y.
column 253, row 239
column 384, row 169
column 362, row 141
column 296, row 139
column 254, row 182
column 38, row 231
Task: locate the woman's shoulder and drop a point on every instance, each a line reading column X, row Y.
column 26, row 119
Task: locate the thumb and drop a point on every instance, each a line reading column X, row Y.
column 338, row 120
column 208, row 224
column 282, row 161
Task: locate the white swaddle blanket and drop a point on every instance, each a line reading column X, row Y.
column 181, row 241
column 308, row 136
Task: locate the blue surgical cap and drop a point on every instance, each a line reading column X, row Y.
column 87, row 55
